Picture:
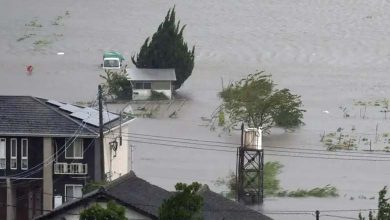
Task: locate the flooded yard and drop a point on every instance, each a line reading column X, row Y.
column 332, row 53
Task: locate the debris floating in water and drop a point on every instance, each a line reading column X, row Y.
column 60, row 53
column 29, row 69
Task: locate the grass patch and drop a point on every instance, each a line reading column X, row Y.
column 326, row 191
column 25, row 37
column 272, row 185
column 34, row 23
column 57, row 21
column 41, row 43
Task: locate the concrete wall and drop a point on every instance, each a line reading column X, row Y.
column 121, row 163
column 47, row 196
column 158, row 86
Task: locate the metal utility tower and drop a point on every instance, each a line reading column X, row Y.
column 250, row 167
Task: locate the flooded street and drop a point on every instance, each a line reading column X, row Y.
column 331, row 52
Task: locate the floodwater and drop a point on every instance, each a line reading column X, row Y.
column 331, row 52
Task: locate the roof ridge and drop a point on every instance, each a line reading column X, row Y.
column 62, row 114
column 120, row 179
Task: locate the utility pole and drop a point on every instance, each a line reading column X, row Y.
column 101, row 137
column 317, row 215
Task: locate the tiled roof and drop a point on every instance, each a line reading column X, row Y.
column 29, row 116
column 146, row 198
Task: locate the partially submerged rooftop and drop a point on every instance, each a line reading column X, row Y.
column 138, row 74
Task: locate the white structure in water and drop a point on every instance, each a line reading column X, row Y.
column 144, row 81
column 253, row 138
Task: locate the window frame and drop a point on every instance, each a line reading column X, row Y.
column 73, row 187
column 147, row 83
column 22, row 152
column 13, row 158
column 5, row 154
column 73, row 144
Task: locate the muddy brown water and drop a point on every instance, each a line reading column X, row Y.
column 330, row 52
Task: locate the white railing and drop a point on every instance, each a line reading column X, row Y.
column 70, row 168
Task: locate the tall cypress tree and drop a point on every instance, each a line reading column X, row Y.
column 167, row 49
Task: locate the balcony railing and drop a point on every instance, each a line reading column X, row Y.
column 71, row 168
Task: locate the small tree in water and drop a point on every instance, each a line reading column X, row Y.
column 255, row 101
column 117, row 86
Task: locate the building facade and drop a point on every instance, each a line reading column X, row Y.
column 47, row 154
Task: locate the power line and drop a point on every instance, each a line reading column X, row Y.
column 278, row 153
column 322, row 152
column 227, row 144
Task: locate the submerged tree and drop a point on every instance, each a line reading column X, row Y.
column 185, row 204
column 167, row 49
column 383, row 208
column 255, row 101
column 117, row 86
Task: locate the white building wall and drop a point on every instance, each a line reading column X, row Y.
column 121, row 163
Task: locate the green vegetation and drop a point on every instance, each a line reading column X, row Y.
column 255, row 101
column 155, row 96
column 34, row 23
column 326, row 191
column 91, row 186
column 221, row 118
column 272, row 185
column 117, row 86
column 57, row 21
column 167, row 49
column 25, row 37
column 41, row 43
column 96, row 212
column 383, row 208
column 186, row 203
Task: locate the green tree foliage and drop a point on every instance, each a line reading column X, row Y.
column 96, row 212
column 167, row 49
column 255, row 101
column 383, row 208
column 185, row 204
column 117, row 86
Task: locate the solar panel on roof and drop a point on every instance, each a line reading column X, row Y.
column 54, row 102
column 91, row 116
column 70, row 108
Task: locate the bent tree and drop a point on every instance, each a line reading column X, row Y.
column 255, row 101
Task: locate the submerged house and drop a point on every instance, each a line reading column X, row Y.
column 144, row 81
column 49, row 150
column 142, row 200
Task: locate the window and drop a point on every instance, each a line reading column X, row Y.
column 143, row 85
column 139, row 85
column 73, row 192
column 24, row 161
column 111, row 63
column 147, row 85
column 2, row 154
column 14, row 153
column 75, row 149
